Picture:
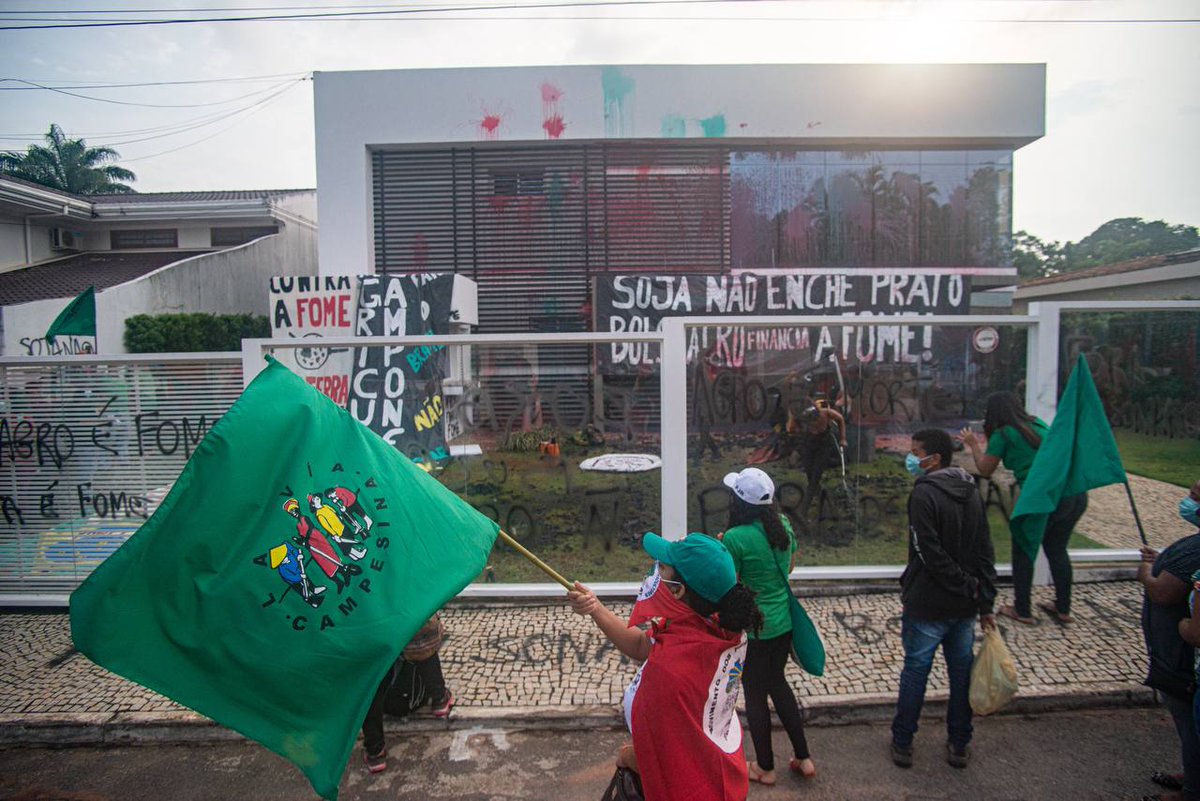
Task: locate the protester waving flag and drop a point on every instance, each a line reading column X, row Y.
column 257, row 597
column 1077, row 454
column 79, row 317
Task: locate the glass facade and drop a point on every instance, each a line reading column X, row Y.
column 932, row 208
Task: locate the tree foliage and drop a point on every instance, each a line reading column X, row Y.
column 192, row 333
column 1117, row 240
column 69, row 165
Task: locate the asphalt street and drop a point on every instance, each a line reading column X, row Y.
column 1083, row 755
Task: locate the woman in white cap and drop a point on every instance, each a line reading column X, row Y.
column 681, row 708
column 763, row 548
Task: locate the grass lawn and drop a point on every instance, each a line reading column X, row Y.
column 1175, row 461
column 588, row 526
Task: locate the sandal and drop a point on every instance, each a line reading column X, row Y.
column 1011, row 612
column 1055, row 615
column 1171, row 781
column 757, row 774
column 804, row 767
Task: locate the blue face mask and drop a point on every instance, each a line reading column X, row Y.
column 1189, row 510
column 912, row 463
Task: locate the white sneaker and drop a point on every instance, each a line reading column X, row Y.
column 357, row 553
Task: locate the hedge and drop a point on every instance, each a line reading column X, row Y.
column 192, row 333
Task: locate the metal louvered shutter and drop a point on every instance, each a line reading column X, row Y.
column 89, row 447
column 531, row 223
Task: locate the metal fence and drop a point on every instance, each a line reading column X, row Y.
column 90, row 445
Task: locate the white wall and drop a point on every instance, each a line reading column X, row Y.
column 226, row 282
column 299, row 204
column 1170, row 282
column 819, row 104
column 12, row 242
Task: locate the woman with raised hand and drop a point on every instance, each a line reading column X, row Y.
column 1013, row 437
column 681, row 706
column 763, row 548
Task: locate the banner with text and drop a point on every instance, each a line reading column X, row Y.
column 397, row 391
column 311, row 307
column 638, row 303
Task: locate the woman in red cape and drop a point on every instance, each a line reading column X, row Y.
column 681, row 706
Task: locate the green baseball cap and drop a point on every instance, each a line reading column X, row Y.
column 702, row 562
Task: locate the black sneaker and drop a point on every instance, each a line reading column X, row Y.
column 958, row 755
column 902, row 756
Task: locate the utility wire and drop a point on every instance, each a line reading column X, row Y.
column 225, row 102
column 407, row 15
column 222, row 116
column 259, row 107
column 163, row 131
column 65, row 84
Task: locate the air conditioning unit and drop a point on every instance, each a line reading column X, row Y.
column 62, row 239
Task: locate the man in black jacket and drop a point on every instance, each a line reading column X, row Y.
column 950, row 578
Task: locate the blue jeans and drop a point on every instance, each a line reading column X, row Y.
column 921, row 639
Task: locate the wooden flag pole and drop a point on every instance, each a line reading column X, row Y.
column 549, row 571
column 1136, row 517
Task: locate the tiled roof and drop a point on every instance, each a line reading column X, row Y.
column 193, row 197
column 1130, row 266
column 70, row 276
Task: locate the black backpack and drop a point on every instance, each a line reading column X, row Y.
column 406, row 692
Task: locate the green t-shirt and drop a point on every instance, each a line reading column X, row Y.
column 1010, row 447
column 763, row 569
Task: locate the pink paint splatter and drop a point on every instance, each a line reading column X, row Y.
column 552, row 119
column 489, row 126
column 554, row 126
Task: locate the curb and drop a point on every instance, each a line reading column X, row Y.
column 189, row 728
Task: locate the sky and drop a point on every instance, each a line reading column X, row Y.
column 1122, row 94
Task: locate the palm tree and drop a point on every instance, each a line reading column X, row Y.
column 69, row 165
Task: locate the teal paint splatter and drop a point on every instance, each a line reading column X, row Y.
column 617, row 88
column 674, row 127
column 714, row 125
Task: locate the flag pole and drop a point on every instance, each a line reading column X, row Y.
column 1136, row 517
column 549, row 571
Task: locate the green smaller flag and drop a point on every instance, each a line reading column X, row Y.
column 78, row 318
column 1078, row 454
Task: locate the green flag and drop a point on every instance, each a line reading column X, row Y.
column 1078, row 454
column 79, row 317
column 281, row 577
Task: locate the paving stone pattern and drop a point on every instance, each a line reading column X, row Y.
column 1109, row 520
column 543, row 656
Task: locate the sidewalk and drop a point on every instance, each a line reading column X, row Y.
column 539, row 663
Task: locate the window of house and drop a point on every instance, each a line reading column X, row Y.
column 148, row 238
column 518, row 183
column 230, row 237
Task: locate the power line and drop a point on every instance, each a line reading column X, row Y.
column 164, row 131
column 143, row 105
column 220, row 117
column 363, row 14
column 260, row 107
column 65, row 84
column 407, row 15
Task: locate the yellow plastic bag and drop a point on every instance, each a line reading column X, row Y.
column 993, row 676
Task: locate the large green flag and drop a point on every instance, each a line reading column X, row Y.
column 281, row 577
column 79, row 317
column 1078, row 454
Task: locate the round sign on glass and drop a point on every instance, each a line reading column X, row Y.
column 985, row 339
